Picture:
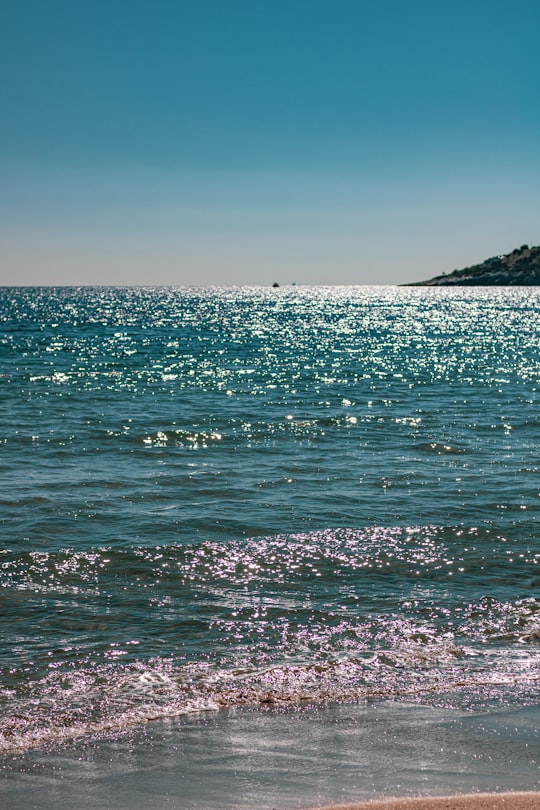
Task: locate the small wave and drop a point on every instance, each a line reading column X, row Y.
column 190, row 439
column 108, row 701
column 440, row 448
column 332, row 615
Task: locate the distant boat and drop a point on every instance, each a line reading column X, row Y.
column 275, row 284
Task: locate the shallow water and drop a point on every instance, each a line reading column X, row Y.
column 286, row 759
column 224, row 498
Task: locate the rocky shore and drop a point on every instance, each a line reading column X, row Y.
column 521, row 267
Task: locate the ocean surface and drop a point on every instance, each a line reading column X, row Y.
column 265, row 506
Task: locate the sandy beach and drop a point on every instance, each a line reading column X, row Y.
column 476, row 801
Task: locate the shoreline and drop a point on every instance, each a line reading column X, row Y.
column 378, row 756
column 465, row 801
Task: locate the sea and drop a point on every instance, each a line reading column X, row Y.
column 267, row 547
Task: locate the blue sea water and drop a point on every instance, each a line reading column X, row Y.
column 265, row 500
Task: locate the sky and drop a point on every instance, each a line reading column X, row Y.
column 202, row 142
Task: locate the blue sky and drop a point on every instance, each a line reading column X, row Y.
column 242, row 142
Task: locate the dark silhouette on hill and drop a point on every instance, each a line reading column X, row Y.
column 521, row 267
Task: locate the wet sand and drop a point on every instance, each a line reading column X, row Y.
column 476, row 801
column 341, row 754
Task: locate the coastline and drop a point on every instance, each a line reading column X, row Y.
column 466, row 801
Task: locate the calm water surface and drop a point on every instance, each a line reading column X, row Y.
column 246, row 497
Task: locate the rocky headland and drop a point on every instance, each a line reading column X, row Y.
column 521, row 267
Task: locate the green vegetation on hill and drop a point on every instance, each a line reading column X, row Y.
column 521, row 267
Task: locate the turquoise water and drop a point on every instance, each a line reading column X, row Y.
column 223, row 498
